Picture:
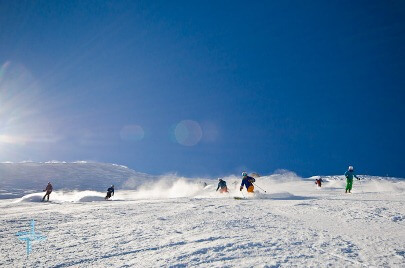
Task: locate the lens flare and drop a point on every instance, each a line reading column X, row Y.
column 22, row 120
column 188, row 133
column 132, row 133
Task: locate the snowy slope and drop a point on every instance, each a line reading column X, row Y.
column 182, row 223
column 16, row 179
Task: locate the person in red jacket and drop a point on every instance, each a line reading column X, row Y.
column 48, row 191
column 319, row 182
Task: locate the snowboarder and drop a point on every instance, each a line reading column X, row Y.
column 222, row 185
column 319, row 182
column 48, row 191
column 110, row 192
column 247, row 182
column 349, row 174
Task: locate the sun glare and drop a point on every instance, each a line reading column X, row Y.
column 21, row 119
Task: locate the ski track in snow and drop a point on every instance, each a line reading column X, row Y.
column 294, row 225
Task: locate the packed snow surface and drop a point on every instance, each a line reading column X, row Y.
column 180, row 222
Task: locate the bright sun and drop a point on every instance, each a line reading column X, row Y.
column 21, row 120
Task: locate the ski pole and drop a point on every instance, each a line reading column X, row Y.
column 242, row 194
column 259, row 187
column 361, row 186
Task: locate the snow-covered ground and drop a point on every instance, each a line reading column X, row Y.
column 182, row 223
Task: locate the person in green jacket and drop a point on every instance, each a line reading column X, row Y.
column 349, row 178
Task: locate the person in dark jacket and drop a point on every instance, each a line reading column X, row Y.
column 48, row 191
column 222, row 186
column 247, row 182
column 110, row 192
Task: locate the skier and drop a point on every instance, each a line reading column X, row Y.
column 222, row 185
column 349, row 174
column 319, row 182
column 247, row 182
column 48, row 191
column 110, row 192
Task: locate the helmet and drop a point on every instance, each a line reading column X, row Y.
column 244, row 173
column 112, row 186
column 219, row 179
column 351, row 168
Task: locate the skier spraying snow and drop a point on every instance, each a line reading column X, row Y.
column 349, row 174
column 222, row 186
column 48, row 191
column 110, row 192
column 247, row 182
column 319, row 182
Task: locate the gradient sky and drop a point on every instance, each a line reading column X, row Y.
column 205, row 88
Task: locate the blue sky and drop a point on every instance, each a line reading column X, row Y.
column 205, row 88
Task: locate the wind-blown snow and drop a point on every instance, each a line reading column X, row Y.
column 59, row 197
column 21, row 178
column 172, row 221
